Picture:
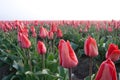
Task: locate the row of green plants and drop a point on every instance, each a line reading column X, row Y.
column 28, row 63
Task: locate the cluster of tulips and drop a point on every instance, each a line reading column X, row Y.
column 66, row 54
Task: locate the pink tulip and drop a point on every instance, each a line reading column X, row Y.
column 41, row 48
column 24, row 41
column 54, row 28
column 107, row 71
column 67, row 57
column 113, row 52
column 59, row 33
column 90, row 47
column 43, row 32
column 50, row 35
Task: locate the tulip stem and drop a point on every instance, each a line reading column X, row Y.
column 90, row 67
column 70, row 72
column 43, row 61
column 29, row 59
column 52, row 45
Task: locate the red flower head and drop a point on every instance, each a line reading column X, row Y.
column 67, row 55
column 59, row 33
column 43, row 32
column 41, row 47
column 24, row 41
column 90, row 47
column 32, row 29
column 54, row 28
column 23, row 30
column 113, row 52
column 107, row 71
column 50, row 35
column 110, row 29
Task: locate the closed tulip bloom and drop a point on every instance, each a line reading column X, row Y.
column 23, row 30
column 50, row 35
column 90, row 47
column 19, row 36
column 67, row 57
column 107, row 71
column 110, row 29
column 59, row 33
column 54, row 28
column 113, row 52
column 24, row 41
column 41, row 48
column 34, row 34
column 32, row 29
column 43, row 32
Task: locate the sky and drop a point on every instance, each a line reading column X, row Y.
column 59, row 10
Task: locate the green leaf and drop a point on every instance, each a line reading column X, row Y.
column 74, row 46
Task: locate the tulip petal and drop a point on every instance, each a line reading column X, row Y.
column 115, row 55
column 72, row 54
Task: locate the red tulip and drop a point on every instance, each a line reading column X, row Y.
column 113, row 52
column 59, row 33
column 32, row 29
column 24, row 41
column 23, row 30
column 54, row 28
column 50, row 35
column 109, row 29
column 36, row 23
column 19, row 36
column 90, row 47
column 41, row 47
column 34, row 34
column 43, row 32
column 67, row 55
column 107, row 71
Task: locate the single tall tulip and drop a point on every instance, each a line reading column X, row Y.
column 54, row 28
column 91, row 50
column 41, row 50
column 24, row 41
column 32, row 29
column 67, row 57
column 43, row 32
column 107, row 71
column 59, row 33
column 50, row 35
column 113, row 52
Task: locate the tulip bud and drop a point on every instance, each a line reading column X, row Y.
column 59, row 33
column 90, row 47
column 107, row 71
column 67, row 57
column 54, row 28
column 41, row 47
column 50, row 35
column 113, row 52
column 24, row 41
column 43, row 32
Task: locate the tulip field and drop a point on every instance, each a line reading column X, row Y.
column 60, row 50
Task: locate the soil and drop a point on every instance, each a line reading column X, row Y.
column 82, row 70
